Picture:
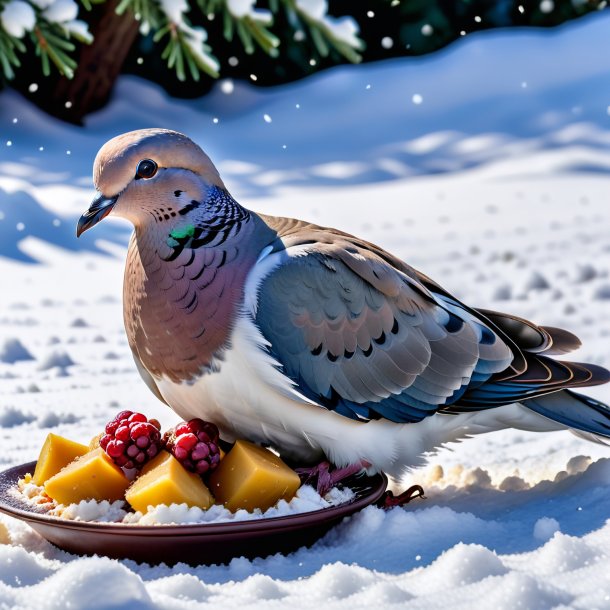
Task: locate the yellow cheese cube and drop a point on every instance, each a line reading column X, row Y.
column 168, row 482
column 161, row 457
column 93, row 476
column 4, row 535
column 56, row 453
column 252, row 477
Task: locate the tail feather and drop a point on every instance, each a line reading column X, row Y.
column 533, row 338
column 581, row 413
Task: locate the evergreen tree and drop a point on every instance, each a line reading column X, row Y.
column 81, row 47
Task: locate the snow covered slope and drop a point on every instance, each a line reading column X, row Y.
column 499, row 191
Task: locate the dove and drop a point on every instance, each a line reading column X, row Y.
column 310, row 340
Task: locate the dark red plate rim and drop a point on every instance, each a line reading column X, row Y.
column 367, row 489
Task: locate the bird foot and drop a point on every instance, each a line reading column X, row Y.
column 389, row 500
column 326, row 477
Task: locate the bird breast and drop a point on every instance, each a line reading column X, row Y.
column 178, row 313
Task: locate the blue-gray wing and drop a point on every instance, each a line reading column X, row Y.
column 366, row 338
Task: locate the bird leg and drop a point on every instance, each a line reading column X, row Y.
column 389, row 500
column 326, row 477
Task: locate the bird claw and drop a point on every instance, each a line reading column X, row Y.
column 325, row 478
column 389, row 500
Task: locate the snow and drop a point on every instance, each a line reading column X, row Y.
column 13, row 351
column 344, row 29
column 57, row 359
column 195, row 38
column 245, row 8
column 11, row 417
column 545, row 528
column 485, row 186
column 61, row 11
column 80, row 30
column 307, row 499
column 174, row 10
column 17, row 18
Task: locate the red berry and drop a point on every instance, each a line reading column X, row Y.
column 122, row 433
column 186, row 441
column 131, row 440
column 182, row 428
column 122, row 415
column 195, row 445
column 115, row 448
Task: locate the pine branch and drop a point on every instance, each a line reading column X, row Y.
column 186, row 46
column 186, row 50
column 51, row 48
column 52, row 40
column 146, row 11
column 324, row 32
column 9, row 47
column 251, row 27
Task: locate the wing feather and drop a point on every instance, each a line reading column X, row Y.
column 351, row 329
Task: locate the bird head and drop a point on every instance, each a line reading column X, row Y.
column 149, row 176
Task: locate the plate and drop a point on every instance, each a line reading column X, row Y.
column 201, row 543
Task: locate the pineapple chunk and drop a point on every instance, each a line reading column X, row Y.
column 252, row 477
column 56, row 453
column 93, row 476
column 168, row 482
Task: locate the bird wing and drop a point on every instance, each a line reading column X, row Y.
column 358, row 332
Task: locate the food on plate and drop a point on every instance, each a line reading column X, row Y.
column 168, row 482
column 194, row 444
column 92, row 476
column 94, row 443
column 252, row 477
column 4, row 535
column 132, row 466
column 131, row 440
column 56, row 453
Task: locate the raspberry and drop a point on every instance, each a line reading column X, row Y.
column 131, row 440
column 195, row 445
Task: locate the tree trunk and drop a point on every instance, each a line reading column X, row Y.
column 99, row 65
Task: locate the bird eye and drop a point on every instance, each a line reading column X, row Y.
column 147, row 168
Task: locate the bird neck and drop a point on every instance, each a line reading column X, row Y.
column 183, row 291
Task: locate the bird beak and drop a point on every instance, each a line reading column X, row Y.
column 98, row 210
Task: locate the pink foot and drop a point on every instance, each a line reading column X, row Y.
column 327, row 478
column 389, row 500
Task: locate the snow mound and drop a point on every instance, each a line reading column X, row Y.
column 260, row 588
column 338, row 581
column 52, row 419
column 56, row 359
column 459, row 566
column 13, row 351
column 545, row 528
column 564, row 554
column 79, row 323
column 11, row 417
column 20, row 568
column 92, row 583
column 517, row 590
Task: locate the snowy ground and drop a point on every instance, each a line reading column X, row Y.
column 496, row 185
